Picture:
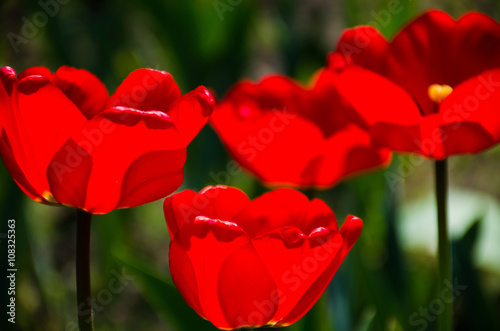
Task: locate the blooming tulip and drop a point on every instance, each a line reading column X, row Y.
column 254, row 263
column 433, row 90
column 285, row 133
column 65, row 141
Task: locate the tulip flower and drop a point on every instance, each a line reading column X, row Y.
column 264, row 262
column 65, row 141
column 286, row 133
column 433, row 90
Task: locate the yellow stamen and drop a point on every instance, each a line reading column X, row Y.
column 438, row 93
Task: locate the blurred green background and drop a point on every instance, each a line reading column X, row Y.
column 389, row 278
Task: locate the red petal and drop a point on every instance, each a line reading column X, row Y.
column 38, row 121
column 348, row 152
column 320, row 215
column 129, row 116
column 68, row 174
column 350, row 231
column 424, row 138
column 327, row 108
column 375, row 98
column 146, row 89
column 37, row 71
column 190, row 112
column 266, row 142
column 150, row 176
column 215, row 267
column 479, row 44
column 115, row 145
column 247, row 293
column 296, row 261
column 13, row 168
column 179, row 210
column 476, row 100
column 219, row 202
column 469, row 138
column 274, row 210
column 84, row 89
column 363, row 45
column 8, row 78
column 272, row 92
column 226, row 202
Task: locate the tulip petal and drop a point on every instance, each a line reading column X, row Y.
column 8, row 79
column 190, row 112
column 319, row 215
column 150, row 176
column 115, row 142
column 263, row 128
column 480, row 40
column 219, row 202
column 363, row 45
column 425, row 138
column 476, row 101
column 146, row 89
column 36, row 71
column 226, row 202
column 295, row 261
column 244, row 304
column 179, row 210
column 220, row 263
column 470, row 138
column 350, row 231
column 375, row 98
column 68, row 174
column 273, row 210
column 12, row 167
column 265, row 142
column 84, row 89
column 328, row 108
column 353, row 154
column 38, row 123
column 272, row 92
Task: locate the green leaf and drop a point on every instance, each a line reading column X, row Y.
column 162, row 295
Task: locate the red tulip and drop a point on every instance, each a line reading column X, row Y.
column 285, row 133
column 65, row 141
column 440, row 92
column 242, row 263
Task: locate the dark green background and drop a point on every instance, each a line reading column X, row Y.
column 385, row 278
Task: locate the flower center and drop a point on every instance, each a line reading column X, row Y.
column 438, row 93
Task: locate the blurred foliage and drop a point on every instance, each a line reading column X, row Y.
column 382, row 282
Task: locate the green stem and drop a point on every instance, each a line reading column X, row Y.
column 83, row 292
column 444, row 247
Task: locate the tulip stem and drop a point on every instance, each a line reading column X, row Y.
column 444, row 247
column 83, row 292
